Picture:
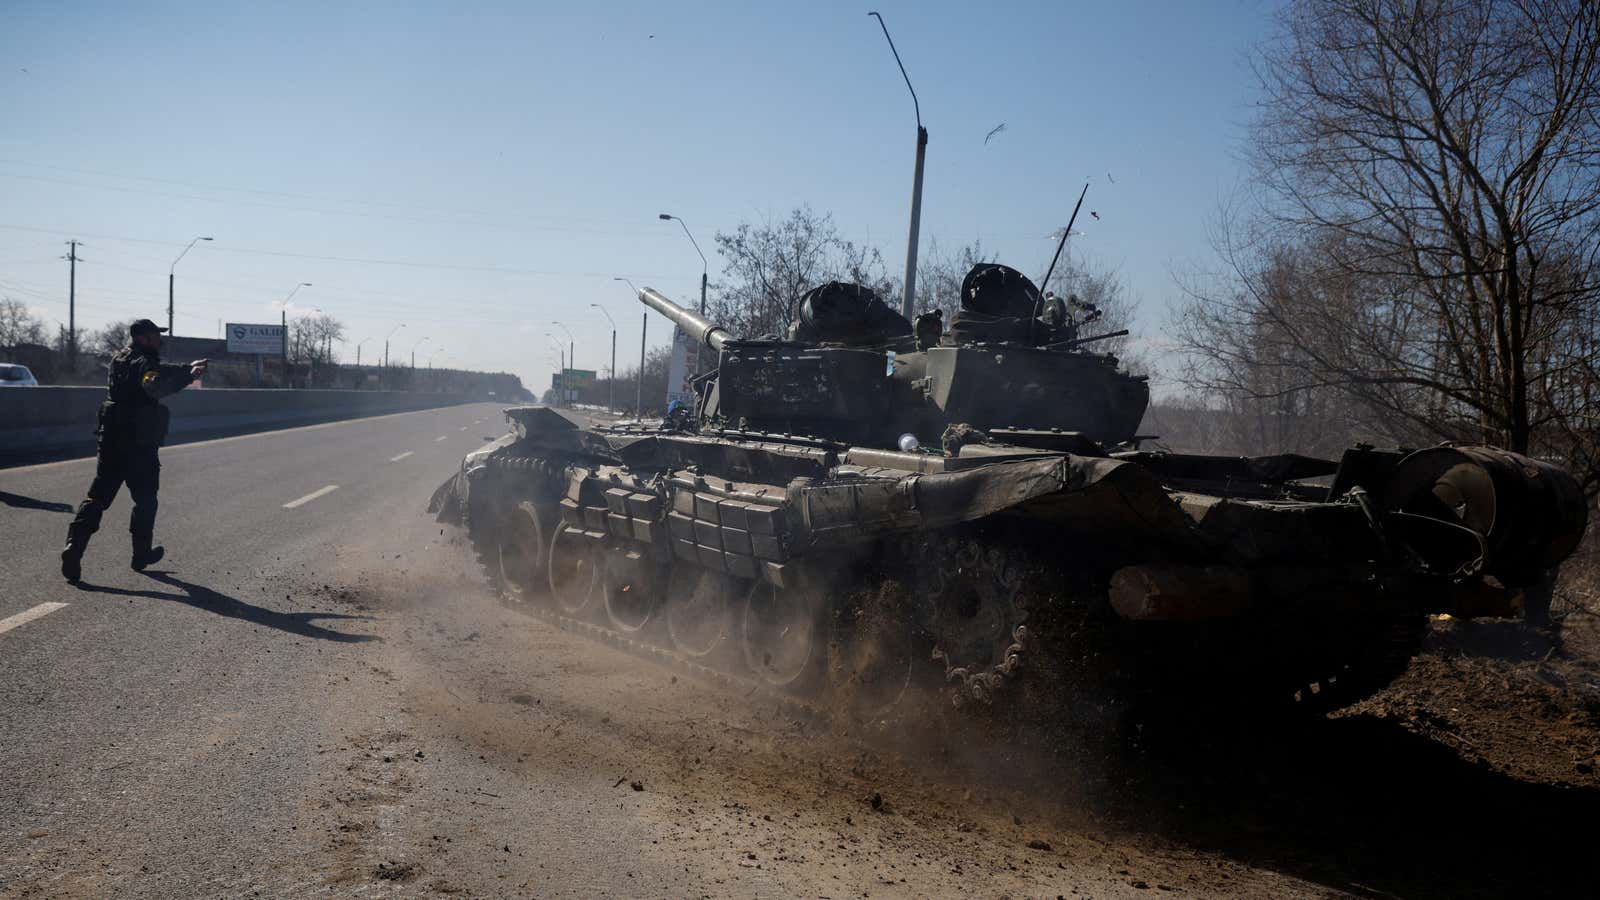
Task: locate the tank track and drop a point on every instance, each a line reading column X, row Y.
column 1089, row 667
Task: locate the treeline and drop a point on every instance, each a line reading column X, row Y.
column 1415, row 256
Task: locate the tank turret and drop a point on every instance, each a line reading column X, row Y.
column 854, row 370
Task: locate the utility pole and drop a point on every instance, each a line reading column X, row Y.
column 638, row 400
column 72, row 306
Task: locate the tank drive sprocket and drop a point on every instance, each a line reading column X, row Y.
column 976, row 613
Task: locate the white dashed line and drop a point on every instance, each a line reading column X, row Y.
column 439, row 438
column 311, row 496
column 400, row 457
column 28, row 615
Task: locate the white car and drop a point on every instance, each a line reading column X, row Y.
column 14, row 375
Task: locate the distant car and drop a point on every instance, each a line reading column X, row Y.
column 14, row 375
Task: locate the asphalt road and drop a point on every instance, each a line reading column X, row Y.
column 313, row 695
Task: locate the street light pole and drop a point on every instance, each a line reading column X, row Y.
column 638, row 399
column 414, row 351
column 703, row 267
column 384, row 374
column 611, row 396
column 287, row 382
column 572, row 355
column 907, row 301
column 171, row 276
column 358, row 351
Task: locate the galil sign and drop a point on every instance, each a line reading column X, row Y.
column 267, row 339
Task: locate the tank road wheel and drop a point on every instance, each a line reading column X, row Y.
column 631, row 585
column 781, row 634
column 977, row 621
column 520, row 552
column 700, row 604
column 573, row 568
column 876, row 651
column 507, row 537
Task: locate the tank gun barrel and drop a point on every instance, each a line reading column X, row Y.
column 693, row 324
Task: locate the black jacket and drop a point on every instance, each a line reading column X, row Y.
column 132, row 414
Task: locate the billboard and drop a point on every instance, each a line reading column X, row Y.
column 578, row 379
column 255, row 338
column 685, row 364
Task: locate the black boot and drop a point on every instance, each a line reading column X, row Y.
column 145, row 555
column 72, row 561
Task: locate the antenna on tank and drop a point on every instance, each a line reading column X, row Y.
column 1038, row 306
column 908, row 298
column 1063, row 242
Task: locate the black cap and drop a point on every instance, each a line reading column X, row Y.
column 144, row 326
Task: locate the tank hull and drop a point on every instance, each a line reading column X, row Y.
column 1001, row 572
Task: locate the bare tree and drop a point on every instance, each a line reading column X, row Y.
column 18, row 325
column 1103, row 291
column 1426, row 234
column 939, row 276
column 311, row 338
column 109, row 340
column 767, row 269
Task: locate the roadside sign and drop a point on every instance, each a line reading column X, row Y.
column 578, row 379
column 244, row 338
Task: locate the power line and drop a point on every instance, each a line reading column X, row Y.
column 506, row 226
column 454, row 267
column 299, row 196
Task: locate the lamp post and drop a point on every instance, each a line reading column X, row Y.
column 572, row 357
column 561, row 353
column 172, row 276
column 437, row 351
column 358, row 351
column 611, row 393
column 414, row 350
column 386, row 343
column 916, row 180
column 285, row 312
column 383, row 375
column 638, row 398
column 703, row 267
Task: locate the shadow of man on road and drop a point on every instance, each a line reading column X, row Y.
column 21, row 502
column 299, row 623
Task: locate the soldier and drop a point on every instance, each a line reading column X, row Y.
column 132, row 425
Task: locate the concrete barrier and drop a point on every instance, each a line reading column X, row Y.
column 40, row 422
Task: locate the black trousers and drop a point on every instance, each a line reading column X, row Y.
column 120, row 462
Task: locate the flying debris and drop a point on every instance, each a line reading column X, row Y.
column 1095, row 214
column 994, row 131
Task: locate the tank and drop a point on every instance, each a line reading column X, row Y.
column 866, row 508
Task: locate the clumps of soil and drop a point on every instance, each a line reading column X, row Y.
column 395, row 871
column 1523, row 701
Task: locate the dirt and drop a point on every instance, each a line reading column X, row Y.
column 490, row 754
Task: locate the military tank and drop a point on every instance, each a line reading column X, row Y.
column 868, row 507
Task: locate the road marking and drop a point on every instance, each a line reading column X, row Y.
column 439, row 438
column 400, row 457
column 463, row 428
column 28, row 615
column 311, row 496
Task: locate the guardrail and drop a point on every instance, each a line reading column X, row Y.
column 40, row 422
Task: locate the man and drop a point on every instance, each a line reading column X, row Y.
column 132, row 425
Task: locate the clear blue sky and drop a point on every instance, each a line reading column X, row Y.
column 518, row 154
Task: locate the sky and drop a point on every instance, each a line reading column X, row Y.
column 461, row 176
